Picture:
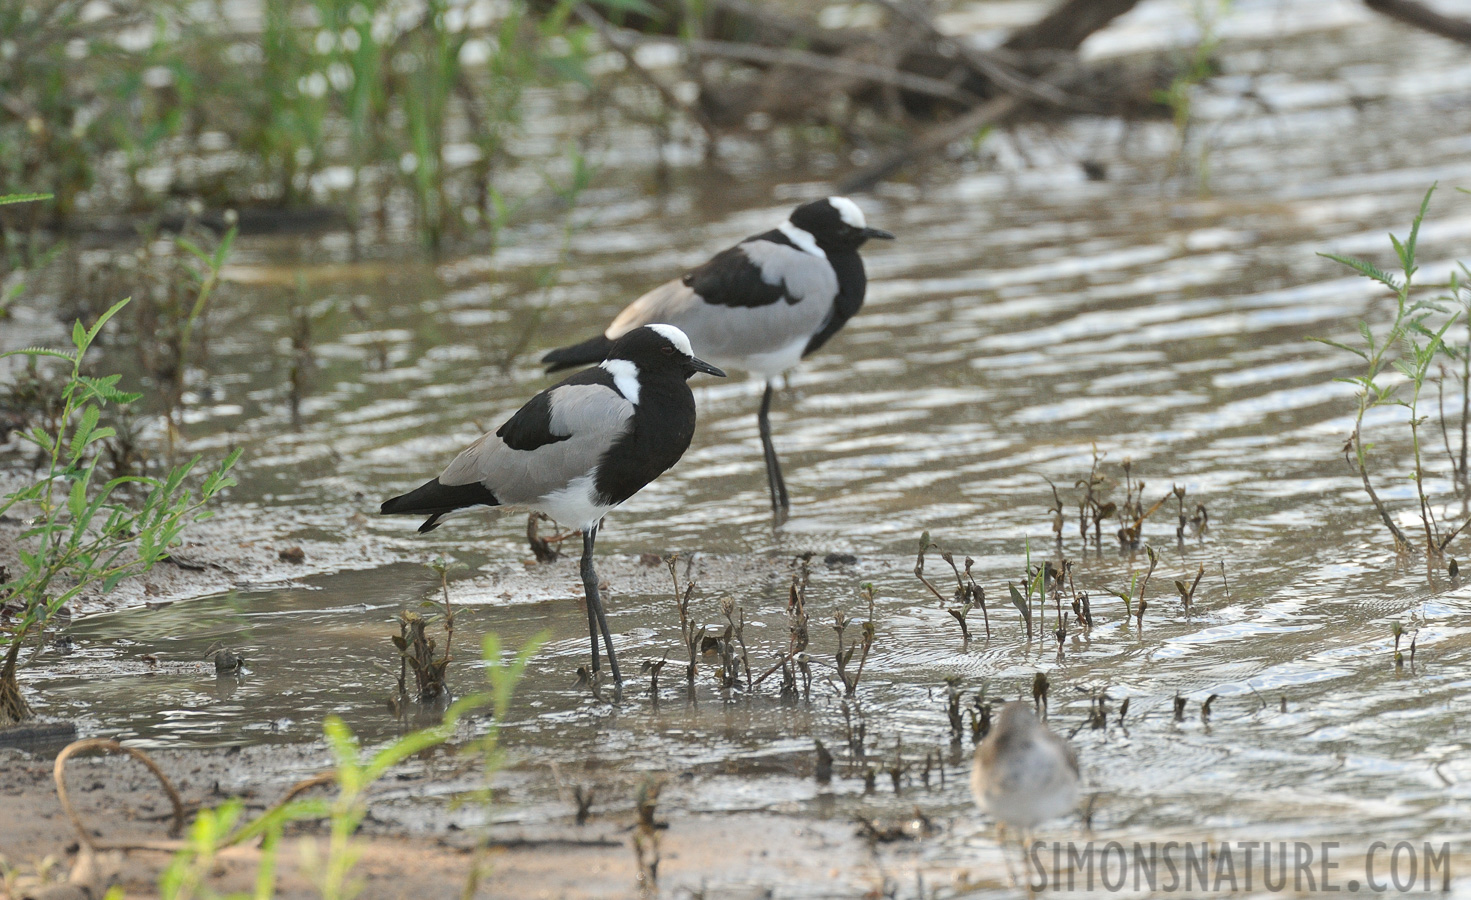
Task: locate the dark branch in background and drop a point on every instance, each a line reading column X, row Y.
column 918, row 79
column 1060, row 32
column 1067, row 26
column 800, row 59
column 1423, row 17
column 1003, row 73
column 931, row 142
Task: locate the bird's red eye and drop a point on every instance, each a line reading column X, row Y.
column 667, row 350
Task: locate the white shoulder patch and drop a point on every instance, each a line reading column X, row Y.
column 802, row 239
column 676, row 337
column 625, row 376
column 848, row 211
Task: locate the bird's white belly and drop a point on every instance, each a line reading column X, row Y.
column 575, row 505
column 767, row 364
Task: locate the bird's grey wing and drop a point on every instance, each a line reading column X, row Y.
column 784, row 297
column 805, row 286
column 801, row 276
column 736, row 277
column 583, row 420
column 667, row 304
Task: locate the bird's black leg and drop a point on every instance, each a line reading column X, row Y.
column 590, row 589
column 597, row 620
column 774, row 481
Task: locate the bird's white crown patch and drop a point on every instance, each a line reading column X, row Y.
column 676, row 337
column 848, row 211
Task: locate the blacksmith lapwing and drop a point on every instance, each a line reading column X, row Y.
column 579, row 449
column 761, row 305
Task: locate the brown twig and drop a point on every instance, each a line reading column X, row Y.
column 1356, row 444
column 925, row 545
column 58, row 773
column 1144, row 585
column 302, row 787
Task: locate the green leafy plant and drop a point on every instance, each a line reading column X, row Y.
column 1409, row 346
column 503, row 672
column 83, row 535
column 1034, row 580
column 206, row 278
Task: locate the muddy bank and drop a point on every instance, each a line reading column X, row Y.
column 237, row 549
column 419, row 847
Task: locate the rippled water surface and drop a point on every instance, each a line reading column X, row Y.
column 1025, row 316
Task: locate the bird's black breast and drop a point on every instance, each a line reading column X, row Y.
column 663, row 424
column 852, row 285
column 730, row 278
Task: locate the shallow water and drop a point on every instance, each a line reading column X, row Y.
column 1025, row 316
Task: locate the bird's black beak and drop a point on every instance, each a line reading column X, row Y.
column 877, row 233
column 699, row 365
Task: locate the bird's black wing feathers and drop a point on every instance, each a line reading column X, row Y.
column 731, row 279
column 531, row 426
column 438, row 500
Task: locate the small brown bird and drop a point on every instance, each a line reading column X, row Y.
column 1023, row 773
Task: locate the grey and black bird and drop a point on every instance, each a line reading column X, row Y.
column 579, row 448
column 761, row 306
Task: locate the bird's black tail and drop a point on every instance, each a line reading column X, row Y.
column 437, row 501
column 589, row 352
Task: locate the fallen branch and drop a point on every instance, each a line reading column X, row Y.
column 1005, row 76
column 1064, row 29
column 1068, row 25
column 932, row 141
column 1411, row 12
column 804, row 59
